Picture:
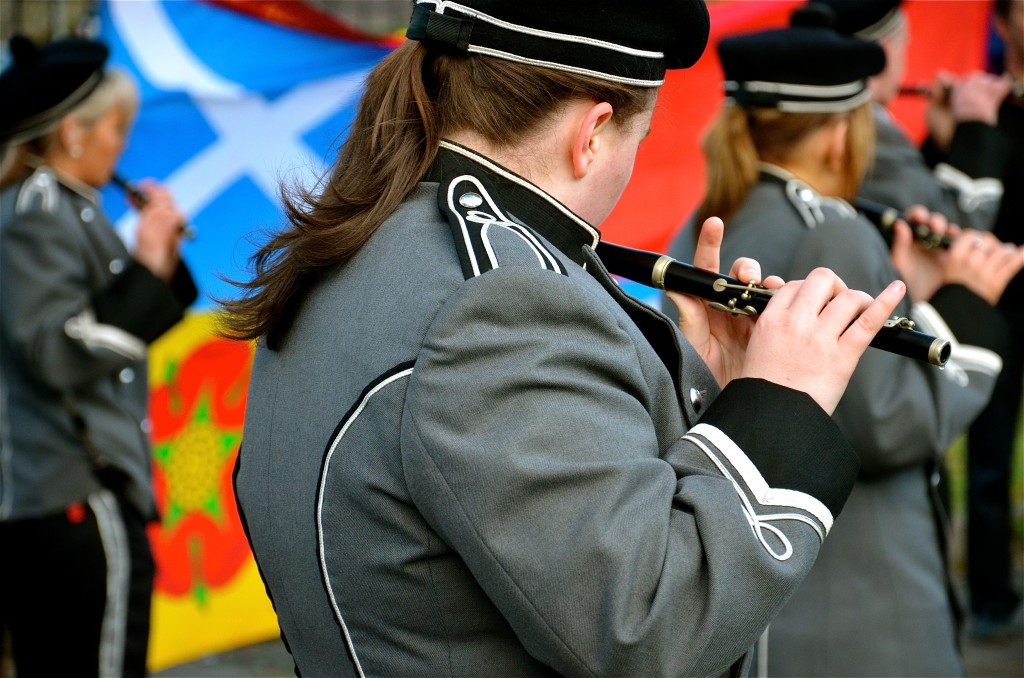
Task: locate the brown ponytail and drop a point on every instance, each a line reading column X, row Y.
column 739, row 138
column 413, row 98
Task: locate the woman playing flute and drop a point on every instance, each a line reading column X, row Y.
column 791, row 141
column 466, row 451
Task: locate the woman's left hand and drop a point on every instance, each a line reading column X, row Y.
column 719, row 338
column 159, row 232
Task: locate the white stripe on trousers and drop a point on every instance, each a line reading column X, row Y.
column 115, row 613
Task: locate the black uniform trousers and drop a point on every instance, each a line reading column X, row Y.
column 989, row 460
column 75, row 590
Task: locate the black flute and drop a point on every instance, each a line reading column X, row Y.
column 140, row 200
column 732, row 296
column 884, row 217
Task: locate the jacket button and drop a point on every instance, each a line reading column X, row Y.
column 87, row 214
column 127, row 375
column 470, row 200
column 696, row 399
column 116, row 266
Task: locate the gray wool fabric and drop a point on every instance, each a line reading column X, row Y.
column 876, row 601
column 474, row 455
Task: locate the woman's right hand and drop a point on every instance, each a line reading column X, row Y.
column 809, row 338
column 159, row 232
column 977, row 259
column 983, row 264
column 813, row 332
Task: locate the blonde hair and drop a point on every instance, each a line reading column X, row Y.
column 740, row 138
column 116, row 88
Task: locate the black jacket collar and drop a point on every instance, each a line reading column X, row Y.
column 517, row 196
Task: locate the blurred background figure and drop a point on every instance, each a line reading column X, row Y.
column 973, row 151
column 77, row 311
column 995, row 598
column 793, row 140
column 966, row 185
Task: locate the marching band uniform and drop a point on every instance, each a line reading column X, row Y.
column 876, row 602
column 965, row 185
column 523, row 453
column 76, row 315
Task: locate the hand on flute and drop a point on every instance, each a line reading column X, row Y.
column 976, row 260
column 809, row 338
column 720, row 339
column 158, row 236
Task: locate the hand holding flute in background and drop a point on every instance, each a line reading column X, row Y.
column 975, row 97
column 161, row 227
column 974, row 259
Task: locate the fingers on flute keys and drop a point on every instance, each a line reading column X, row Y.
column 813, row 333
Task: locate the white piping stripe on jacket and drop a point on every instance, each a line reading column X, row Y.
column 497, row 219
column 84, row 327
column 766, row 495
column 114, row 537
column 497, row 169
column 971, row 193
column 42, row 184
column 758, row 523
column 320, row 508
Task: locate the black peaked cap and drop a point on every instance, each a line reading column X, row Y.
column 771, row 68
column 633, row 42
column 43, row 83
column 869, row 19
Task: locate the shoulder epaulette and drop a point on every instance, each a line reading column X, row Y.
column 478, row 223
column 811, row 206
column 39, row 191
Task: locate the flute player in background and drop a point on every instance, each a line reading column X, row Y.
column 77, row 311
column 965, row 184
column 995, row 594
column 467, row 452
column 792, row 141
column 969, row 169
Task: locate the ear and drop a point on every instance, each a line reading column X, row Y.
column 835, row 152
column 70, row 132
column 593, row 121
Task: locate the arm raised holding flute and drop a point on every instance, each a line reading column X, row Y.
column 446, row 370
column 799, row 115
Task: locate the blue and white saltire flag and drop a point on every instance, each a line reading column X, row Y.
column 230, row 107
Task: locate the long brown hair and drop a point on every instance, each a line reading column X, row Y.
column 741, row 137
column 413, row 98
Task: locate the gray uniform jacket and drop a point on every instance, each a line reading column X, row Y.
column 76, row 315
column 875, row 602
column 474, row 455
column 965, row 187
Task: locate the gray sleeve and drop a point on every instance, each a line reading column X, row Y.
column 897, row 412
column 529, row 446
column 900, row 177
column 46, row 295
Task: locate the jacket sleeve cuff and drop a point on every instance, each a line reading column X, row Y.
column 788, row 437
column 139, row 303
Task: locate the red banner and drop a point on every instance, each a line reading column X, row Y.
column 668, row 180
